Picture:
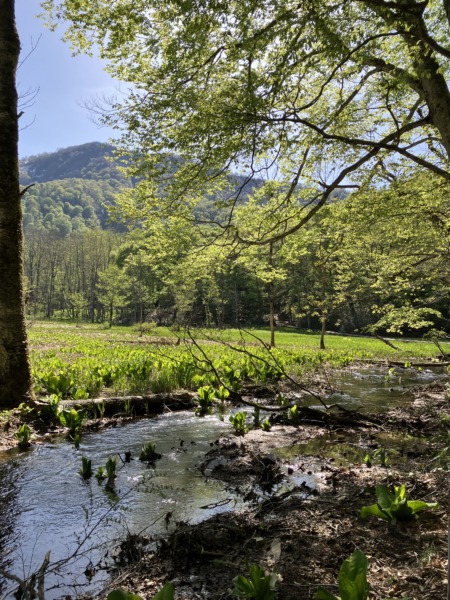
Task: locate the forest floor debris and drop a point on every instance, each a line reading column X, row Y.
column 305, row 530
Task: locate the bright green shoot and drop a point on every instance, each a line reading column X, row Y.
column 72, row 419
column 110, row 467
column 239, row 422
column 23, row 436
column 352, row 580
column 205, row 399
column 52, row 409
column 293, row 414
column 86, row 468
column 395, row 507
column 379, row 455
column 221, row 394
column 266, row 425
column 258, row 586
column 148, row 452
column 166, row 593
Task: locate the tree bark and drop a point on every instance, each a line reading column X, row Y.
column 323, row 322
column 271, row 302
column 15, row 373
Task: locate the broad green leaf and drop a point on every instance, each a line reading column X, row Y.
column 166, row 593
column 243, row 588
column 374, row 511
column 123, row 595
column 384, row 498
column 419, row 505
column 352, row 577
column 323, row 594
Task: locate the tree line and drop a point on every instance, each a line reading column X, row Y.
column 375, row 261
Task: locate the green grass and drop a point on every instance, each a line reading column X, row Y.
column 82, row 362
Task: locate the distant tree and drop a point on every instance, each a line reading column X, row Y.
column 113, row 289
column 15, row 374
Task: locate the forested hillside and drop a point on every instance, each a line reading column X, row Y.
column 88, row 161
column 70, row 189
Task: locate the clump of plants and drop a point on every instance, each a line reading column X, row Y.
column 205, row 399
column 258, row 585
column 239, row 422
column 377, row 456
column 100, row 475
column 51, row 410
column 256, row 417
column 166, row 593
column 23, row 436
column 73, row 420
column 52, row 381
column 148, row 452
column 395, row 507
column 110, row 467
column 233, row 377
column 352, row 580
column 266, row 425
column 86, row 468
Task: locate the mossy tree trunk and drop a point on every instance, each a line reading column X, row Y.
column 15, row 375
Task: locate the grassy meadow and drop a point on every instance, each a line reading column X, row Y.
column 84, row 361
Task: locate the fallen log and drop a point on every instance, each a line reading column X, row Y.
column 148, row 404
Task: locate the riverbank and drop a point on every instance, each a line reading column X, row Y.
column 302, row 510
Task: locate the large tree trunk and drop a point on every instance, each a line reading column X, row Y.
column 15, row 375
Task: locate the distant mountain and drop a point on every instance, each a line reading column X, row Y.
column 88, row 161
column 72, row 188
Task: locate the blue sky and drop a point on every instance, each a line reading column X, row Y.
column 57, row 117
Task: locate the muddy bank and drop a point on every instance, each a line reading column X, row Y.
column 302, row 510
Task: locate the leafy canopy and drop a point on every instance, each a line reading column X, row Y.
column 317, row 94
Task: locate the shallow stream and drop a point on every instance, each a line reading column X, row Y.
column 379, row 389
column 46, row 505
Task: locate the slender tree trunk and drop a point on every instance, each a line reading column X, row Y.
column 236, row 301
column 271, row 303
column 271, row 316
column 15, row 374
column 323, row 320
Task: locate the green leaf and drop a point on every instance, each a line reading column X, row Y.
column 374, row 511
column 323, row 594
column 123, row 595
column 243, row 588
column 165, row 594
column 419, row 505
column 400, row 493
column 352, row 577
column 385, row 499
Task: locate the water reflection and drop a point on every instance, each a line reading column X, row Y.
column 47, row 505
